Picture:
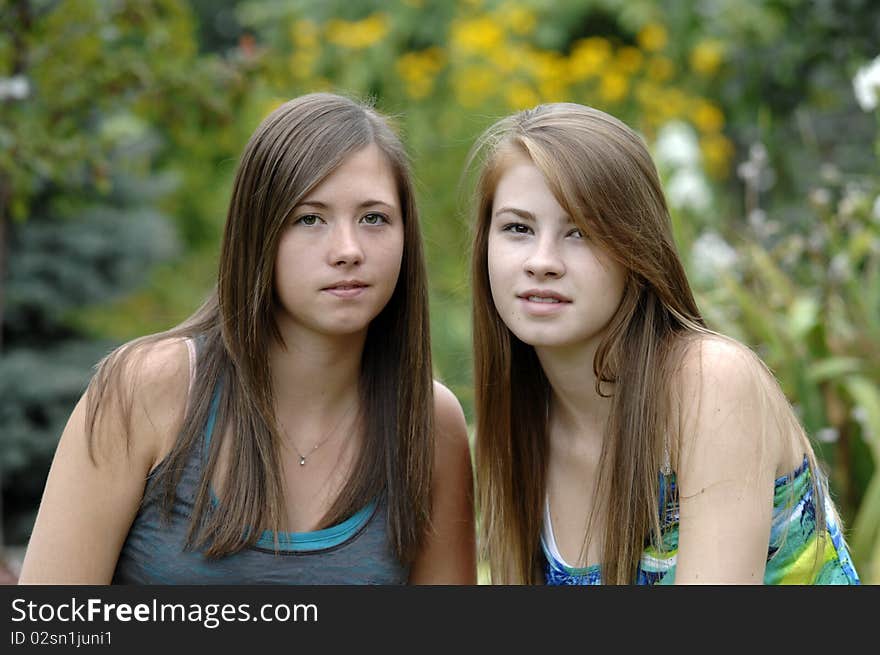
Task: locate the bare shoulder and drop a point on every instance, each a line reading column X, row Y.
column 448, row 554
column 161, row 372
column 99, row 472
column 715, row 361
column 452, row 454
column 155, row 378
column 156, row 363
column 717, row 373
column 449, row 420
column 729, row 441
column 724, row 407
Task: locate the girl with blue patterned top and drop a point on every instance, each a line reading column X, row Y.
column 618, row 439
column 290, row 431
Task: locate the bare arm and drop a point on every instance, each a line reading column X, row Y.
column 729, row 455
column 87, row 507
column 448, row 555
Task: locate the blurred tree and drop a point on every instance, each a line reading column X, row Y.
column 94, row 98
column 69, row 254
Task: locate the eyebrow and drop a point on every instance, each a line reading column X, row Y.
column 529, row 216
column 522, row 213
column 363, row 205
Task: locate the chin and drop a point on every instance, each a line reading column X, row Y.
column 346, row 329
column 543, row 338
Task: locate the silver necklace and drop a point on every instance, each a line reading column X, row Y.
column 303, row 458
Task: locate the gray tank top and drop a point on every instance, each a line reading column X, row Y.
column 356, row 551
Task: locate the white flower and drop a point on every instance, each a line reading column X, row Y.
column 830, row 173
column 820, row 198
column 758, row 153
column 688, row 189
column 866, row 84
column 827, row 435
column 14, row 88
column 851, row 200
column 712, row 256
column 677, row 146
column 839, row 268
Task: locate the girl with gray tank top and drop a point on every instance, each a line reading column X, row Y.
column 290, row 431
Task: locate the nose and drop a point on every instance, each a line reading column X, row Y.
column 345, row 248
column 545, row 260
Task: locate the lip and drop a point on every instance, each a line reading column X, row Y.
column 346, row 288
column 543, row 307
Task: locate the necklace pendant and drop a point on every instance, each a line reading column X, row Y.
column 302, row 460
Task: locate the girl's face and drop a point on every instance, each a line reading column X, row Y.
column 340, row 253
column 552, row 286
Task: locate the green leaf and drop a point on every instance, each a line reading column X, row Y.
column 832, row 367
column 802, row 316
column 864, row 540
column 867, row 395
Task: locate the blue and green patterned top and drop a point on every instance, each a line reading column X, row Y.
column 791, row 554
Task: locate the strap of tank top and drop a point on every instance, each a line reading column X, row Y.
column 191, row 349
column 667, row 464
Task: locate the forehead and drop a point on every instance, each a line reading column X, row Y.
column 365, row 171
column 521, row 185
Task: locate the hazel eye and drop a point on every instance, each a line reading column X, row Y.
column 374, row 219
column 517, row 228
column 576, row 233
column 309, row 220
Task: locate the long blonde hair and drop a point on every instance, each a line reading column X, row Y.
column 290, row 153
column 601, row 173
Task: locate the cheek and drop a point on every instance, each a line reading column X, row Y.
column 614, row 277
column 286, row 261
column 388, row 253
column 499, row 262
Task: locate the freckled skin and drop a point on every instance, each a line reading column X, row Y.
column 548, row 252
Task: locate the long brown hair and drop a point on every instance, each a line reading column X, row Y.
column 601, row 173
column 290, row 153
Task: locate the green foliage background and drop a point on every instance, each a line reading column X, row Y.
column 121, row 124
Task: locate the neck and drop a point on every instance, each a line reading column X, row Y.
column 576, row 407
column 316, row 371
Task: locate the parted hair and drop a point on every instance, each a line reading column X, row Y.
column 601, row 173
column 296, row 147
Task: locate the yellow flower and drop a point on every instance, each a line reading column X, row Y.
column 548, row 66
column 358, row 35
column 476, row 36
column 521, row 96
column 706, row 57
column 553, row 91
column 473, row 85
column 588, row 57
column 652, row 37
column 717, row 153
column 304, row 33
column 660, row 69
column 671, row 103
column 629, row 59
column 418, row 70
column 648, row 94
column 516, row 18
column 506, row 60
column 707, row 117
column 613, row 87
